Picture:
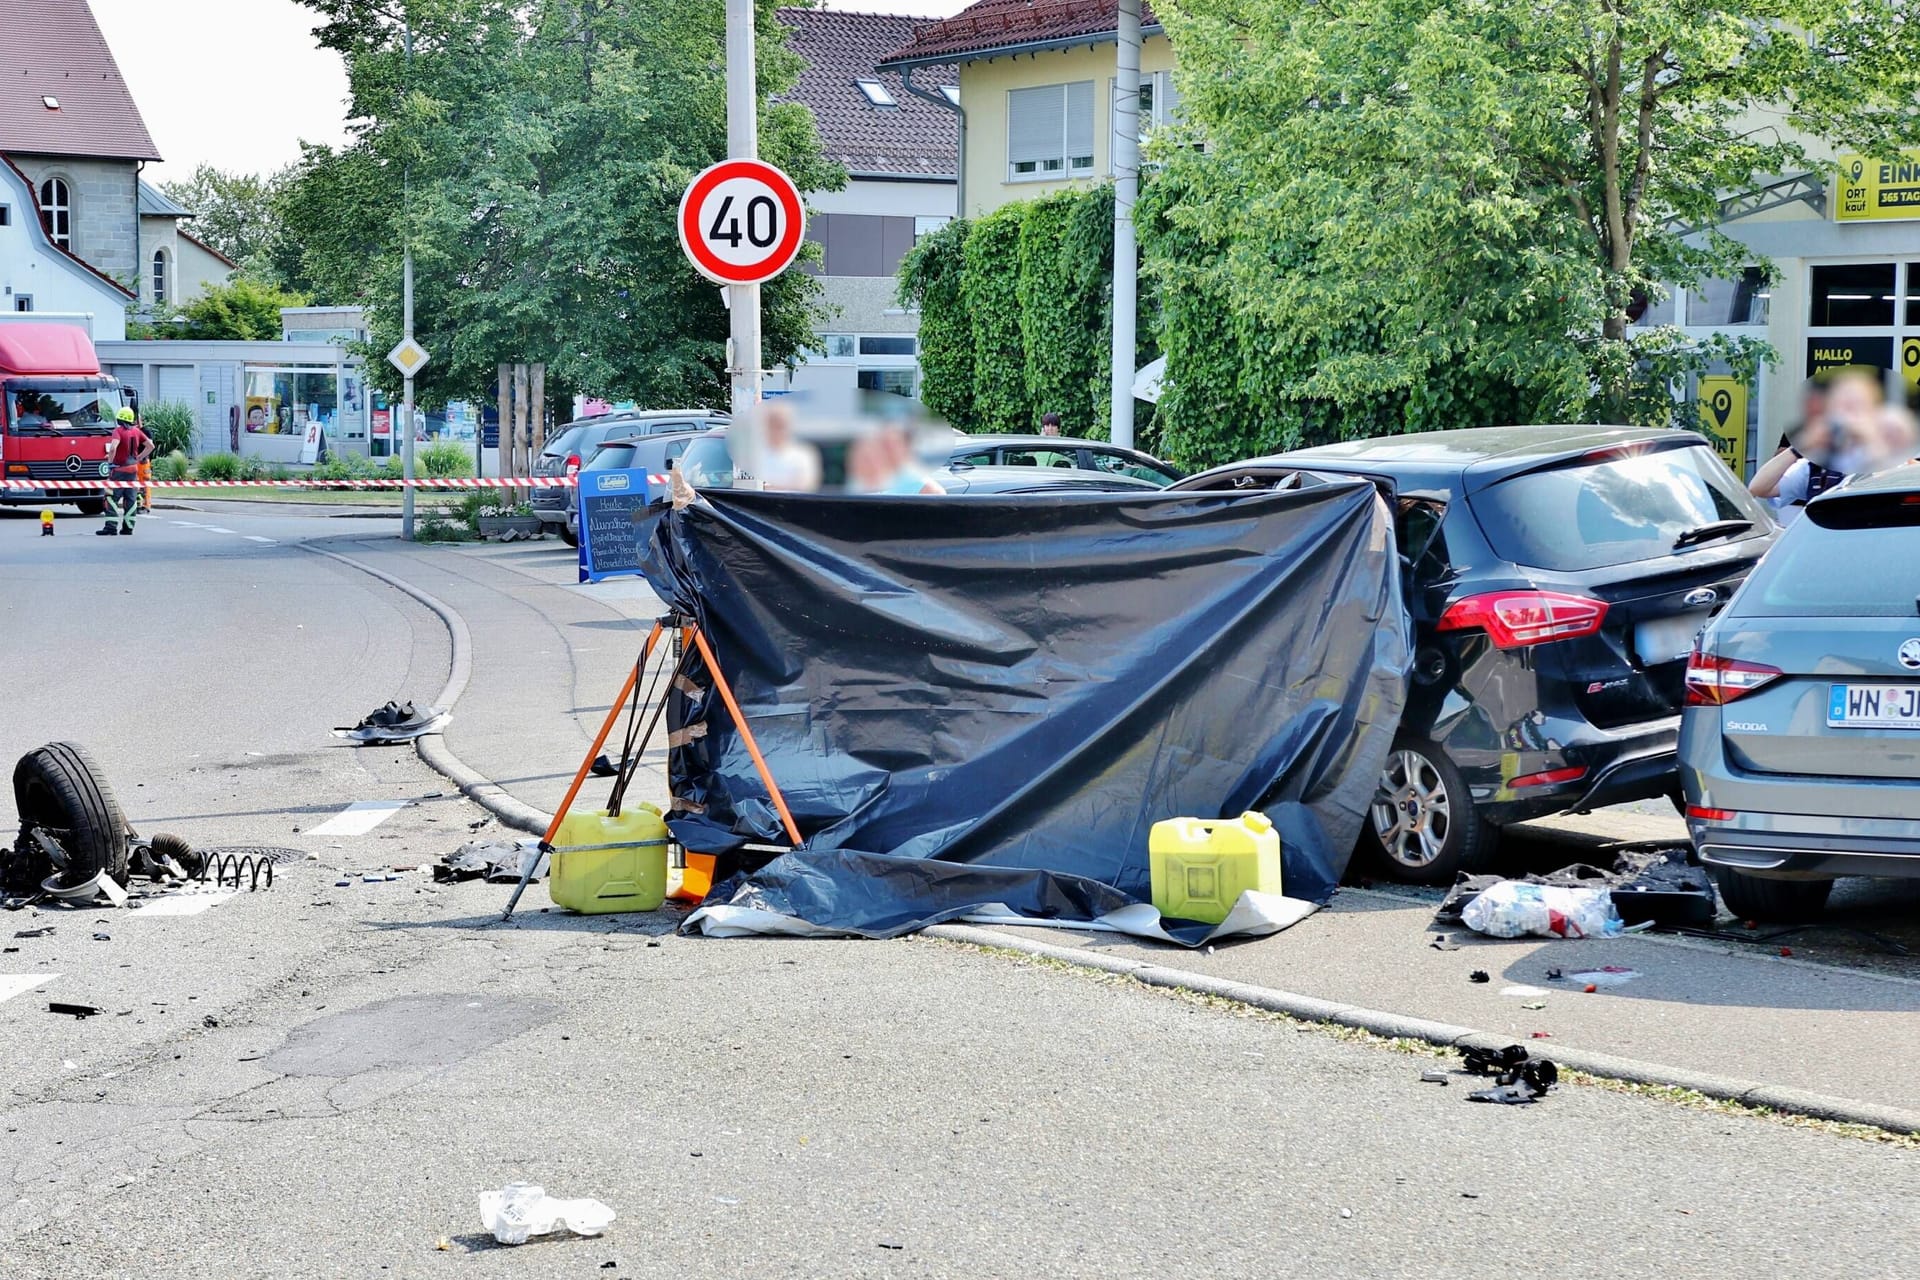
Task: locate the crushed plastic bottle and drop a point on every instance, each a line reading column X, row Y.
column 1514, row 909
column 521, row 1210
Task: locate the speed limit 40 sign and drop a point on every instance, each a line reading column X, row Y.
column 741, row 222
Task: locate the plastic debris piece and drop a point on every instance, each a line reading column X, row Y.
column 1590, row 988
column 1612, row 975
column 1534, row 1004
column 521, row 1210
column 74, row 1010
column 1433, row 1077
column 1515, row 909
column 1554, row 975
column 1479, row 975
column 1346, row 1213
column 395, row 722
column 41, row 932
column 1443, row 942
column 1511, row 1094
column 1786, row 951
column 1542, row 1035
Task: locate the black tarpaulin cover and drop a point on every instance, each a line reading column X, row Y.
column 972, row 701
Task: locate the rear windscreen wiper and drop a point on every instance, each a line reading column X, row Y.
column 1708, row 532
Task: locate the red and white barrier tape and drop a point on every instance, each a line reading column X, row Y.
column 521, row 482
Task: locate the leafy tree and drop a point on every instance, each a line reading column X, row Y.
column 1419, row 213
column 542, row 147
column 233, row 213
column 242, row 310
column 932, row 277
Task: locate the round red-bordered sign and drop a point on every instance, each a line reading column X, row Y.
column 741, row 222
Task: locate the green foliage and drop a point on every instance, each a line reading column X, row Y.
column 468, row 508
column 218, row 466
column 435, row 528
column 173, row 466
column 930, row 283
column 172, row 425
column 990, row 292
column 252, row 469
column 445, row 460
column 243, row 310
column 544, row 145
column 235, row 214
column 345, row 466
column 1457, row 205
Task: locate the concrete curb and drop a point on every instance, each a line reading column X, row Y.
column 1747, row 1093
column 432, row 747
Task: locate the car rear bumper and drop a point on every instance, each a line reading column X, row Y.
column 1798, row 846
column 1635, row 762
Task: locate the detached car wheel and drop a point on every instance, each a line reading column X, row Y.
column 1786, row 901
column 59, row 789
column 1422, row 826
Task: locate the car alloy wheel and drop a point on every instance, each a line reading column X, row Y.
column 1412, row 812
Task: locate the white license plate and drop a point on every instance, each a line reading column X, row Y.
column 1666, row 639
column 1873, row 706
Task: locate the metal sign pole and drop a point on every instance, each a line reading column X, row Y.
column 743, row 143
column 406, row 323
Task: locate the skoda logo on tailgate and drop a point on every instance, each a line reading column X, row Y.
column 73, row 464
column 1910, row 654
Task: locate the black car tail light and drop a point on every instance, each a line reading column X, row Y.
column 1516, row 619
column 1714, row 682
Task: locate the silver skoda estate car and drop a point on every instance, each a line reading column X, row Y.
column 1800, row 739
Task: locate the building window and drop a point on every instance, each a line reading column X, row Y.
column 1857, row 295
column 928, row 223
column 1050, row 131
column 1741, row 301
column 23, row 302
column 837, row 346
column 56, row 211
column 889, row 345
column 897, row 382
column 160, row 291
column 876, row 93
column 6, row 215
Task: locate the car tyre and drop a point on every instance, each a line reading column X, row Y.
column 92, row 506
column 1423, row 826
column 1784, row 901
column 59, row 788
column 566, row 532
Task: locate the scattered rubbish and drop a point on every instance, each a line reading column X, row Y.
column 604, row 767
column 496, row 861
column 8, row 949
column 1590, row 988
column 1479, row 975
column 1786, row 951
column 725, row 1200
column 342, row 884
column 1553, row 975
column 884, row 1244
column 1433, row 1077
column 1542, row 1035
column 41, row 932
column 1612, row 975
column 1469, row 1195
column 73, row 1010
column 443, row 1244
column 1519, row 1077
column 1515, row 909
column 521, row 1210
column 395, row 722
column 1534, row 1004
column 1346, row 1213
column 103, row 937
column 1444, row 942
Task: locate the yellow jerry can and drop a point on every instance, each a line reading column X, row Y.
column 602, row 864
column 1199, row 868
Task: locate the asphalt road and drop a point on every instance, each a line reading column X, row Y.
column 320, row 1079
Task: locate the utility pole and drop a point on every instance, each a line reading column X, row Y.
column 1126, row 189
column 743, row 143
column 406, row 317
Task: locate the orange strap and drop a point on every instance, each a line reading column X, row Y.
column 746, row 734
column 600, row 739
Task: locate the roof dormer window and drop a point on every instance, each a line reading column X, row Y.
column 50, row 102
column 876, row 93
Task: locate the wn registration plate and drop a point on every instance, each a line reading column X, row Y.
column 1873, row 706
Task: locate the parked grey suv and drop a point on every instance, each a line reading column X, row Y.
column 1800, row 740
column 567, row 452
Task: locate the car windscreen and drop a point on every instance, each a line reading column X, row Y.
column 1855, row 570
column 707, row 464
column 1613, row 510
column 566, row 442
column 61, row 406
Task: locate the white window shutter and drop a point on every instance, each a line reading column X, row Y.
column 1166, row 103
column 1034, row 125
column 1080, row 125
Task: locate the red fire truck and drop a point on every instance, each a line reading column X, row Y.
column 56, row 415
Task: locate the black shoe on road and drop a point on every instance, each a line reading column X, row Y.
column 105, row 533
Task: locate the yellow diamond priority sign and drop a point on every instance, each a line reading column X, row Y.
column 409, row 357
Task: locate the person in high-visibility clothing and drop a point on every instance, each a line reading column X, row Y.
column 127, row 449
column 145, row 467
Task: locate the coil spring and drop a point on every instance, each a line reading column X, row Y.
column 234, row 867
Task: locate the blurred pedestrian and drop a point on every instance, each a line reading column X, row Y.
column 784, row 462
column 882, row 462
column 1049, row 423
column 1825, row 449
column 127, row 448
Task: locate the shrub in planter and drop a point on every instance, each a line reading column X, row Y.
column 444, row 460
column 172, row 426
column 174, row 466
column 219, row 466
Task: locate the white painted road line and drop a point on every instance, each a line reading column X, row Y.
column 13, row 984
column 188, row 902
column 254, row 537
column 359, row 818
column 214, row 528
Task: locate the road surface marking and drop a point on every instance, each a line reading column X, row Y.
column 214, row 528
column 254, row 537
column 359, row 818
column 189, row 902
column 13, row 984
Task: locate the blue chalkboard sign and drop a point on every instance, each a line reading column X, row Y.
column 615, row 522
